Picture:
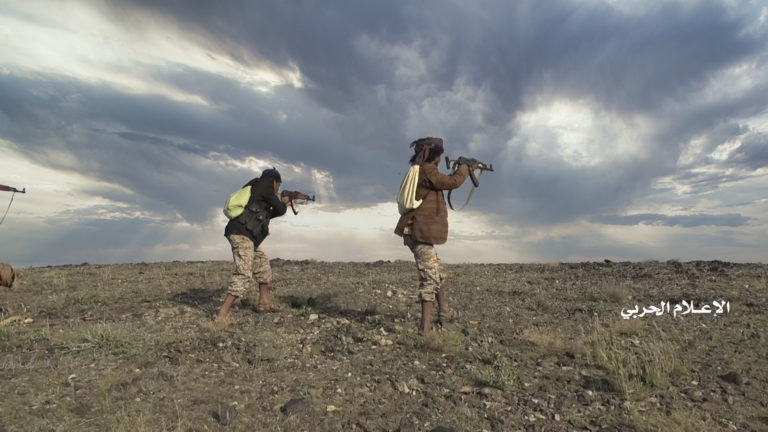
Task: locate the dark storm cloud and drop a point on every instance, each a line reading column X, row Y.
column 624, row 62
column 628, row 60
column 752, row 153
column 740, row 164
column 156, row 148
column 373, row 68
column 686, row 221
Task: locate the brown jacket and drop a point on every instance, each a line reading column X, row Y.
column 428, row 223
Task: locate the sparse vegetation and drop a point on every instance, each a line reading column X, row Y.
column 498, row 372
column 447, row 341
column 538, row 347
column 637, row 366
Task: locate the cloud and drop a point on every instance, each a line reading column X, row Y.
column 729, row 220
column 752, row 152
column 584, row 108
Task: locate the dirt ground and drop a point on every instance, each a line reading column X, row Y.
column 539, row 347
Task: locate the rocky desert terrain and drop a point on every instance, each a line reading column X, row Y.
column 539, row 347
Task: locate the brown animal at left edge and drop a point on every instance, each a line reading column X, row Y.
column 7, row 276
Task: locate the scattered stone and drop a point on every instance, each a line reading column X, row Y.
column 489, row 391
column 695, row 395
column 331, row 408
column 414, row 384
column 313, row 317
column 732, row 377
column 402, row 387
column 585, row 397
column 294, row 405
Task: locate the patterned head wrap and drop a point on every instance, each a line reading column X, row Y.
column 423, row 146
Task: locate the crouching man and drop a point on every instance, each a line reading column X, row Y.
column 427, row 225
column 245, row 234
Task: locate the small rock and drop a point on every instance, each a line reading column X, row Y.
column 313, row 317
column 732, row 377
column 489, row 391
column 695, row 395
column 585, row 397
column 402, row 387
column 294, row 405
column 413, row 384
column 466, row 389
column 331, row 408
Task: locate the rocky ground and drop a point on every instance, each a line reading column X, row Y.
column 539, row 347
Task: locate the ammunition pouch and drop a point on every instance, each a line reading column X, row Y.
column 255, row 218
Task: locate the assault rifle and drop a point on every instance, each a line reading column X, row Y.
column 474, row 165
column 5, row 188
column 296, row 195
column 11, row 189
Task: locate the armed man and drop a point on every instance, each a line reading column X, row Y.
column 427, row 225
column 245, row 234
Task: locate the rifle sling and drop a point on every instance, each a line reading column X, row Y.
column 469, row 197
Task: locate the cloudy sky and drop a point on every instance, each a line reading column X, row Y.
column 627, row 130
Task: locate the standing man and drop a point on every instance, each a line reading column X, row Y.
column 427, row 225
column 245, row 233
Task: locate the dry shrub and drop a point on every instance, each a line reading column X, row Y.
column 549, row 340
column 634, row 364
column 449, row 342
column 677, row 421
column 499, row 373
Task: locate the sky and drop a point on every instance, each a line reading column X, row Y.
column 622, row 130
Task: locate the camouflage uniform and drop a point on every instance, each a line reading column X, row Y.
column 431, row 276
column 250, row 265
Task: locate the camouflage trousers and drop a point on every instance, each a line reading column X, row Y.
column 250, row 265
column 431, row 276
